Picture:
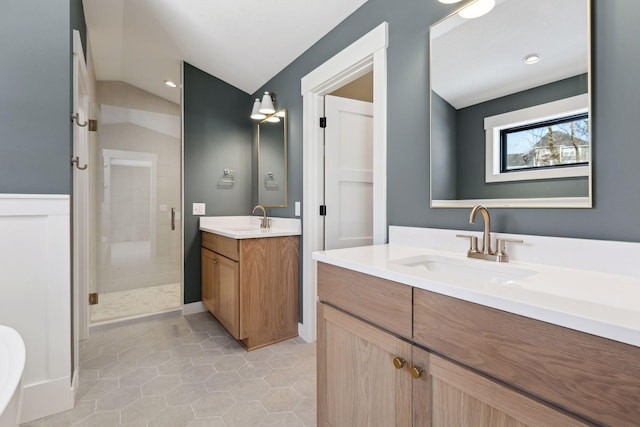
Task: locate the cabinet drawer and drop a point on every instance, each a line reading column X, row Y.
column 385, row 303
column 223, row 245
column 585, row 374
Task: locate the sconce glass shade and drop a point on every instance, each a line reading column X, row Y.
column 477, row 9
column 255, row 112
column 267, row 104
column 273, row 119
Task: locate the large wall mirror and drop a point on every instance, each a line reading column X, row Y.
column 272, row 161
column 510, row 106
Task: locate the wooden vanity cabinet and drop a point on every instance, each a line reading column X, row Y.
column 371, row 376
column 251, row 286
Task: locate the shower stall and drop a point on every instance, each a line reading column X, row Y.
column 138, row 230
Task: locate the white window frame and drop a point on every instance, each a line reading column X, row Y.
column 540, row 113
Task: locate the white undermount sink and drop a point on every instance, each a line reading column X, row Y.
column 467, row 269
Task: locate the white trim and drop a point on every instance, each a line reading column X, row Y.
column 366, row 54
column 543, row 202
column 35, row 259
column 193, row 308
column 539, row 113
column 46, row 398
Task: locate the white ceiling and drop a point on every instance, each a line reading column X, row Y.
column 243, row 42
column 482, row 58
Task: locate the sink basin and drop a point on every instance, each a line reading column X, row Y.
column 463, row 269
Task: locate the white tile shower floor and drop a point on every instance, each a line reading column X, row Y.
column 136, row 302
column 188, row 371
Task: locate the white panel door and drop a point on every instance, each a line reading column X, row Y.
column 348, row 173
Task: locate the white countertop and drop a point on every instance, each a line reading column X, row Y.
column 248, row 227
column 599, row 303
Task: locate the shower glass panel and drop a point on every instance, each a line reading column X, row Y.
column 139, row 230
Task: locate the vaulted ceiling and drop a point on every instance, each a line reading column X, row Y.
column 243, row 42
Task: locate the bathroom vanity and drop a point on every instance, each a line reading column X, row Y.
column 411, row 336
column 250, row 277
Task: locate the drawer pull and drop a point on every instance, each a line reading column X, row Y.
column 416, row 372
column 398, row 362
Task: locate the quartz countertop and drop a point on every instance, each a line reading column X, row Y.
column 248, row 227
column 599, row 303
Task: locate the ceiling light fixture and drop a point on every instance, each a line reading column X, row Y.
column 532, row 58
column 477, row 9
column 265, row 109
column 170, row 83
column 449, row 1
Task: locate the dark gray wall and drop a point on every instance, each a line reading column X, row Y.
column 444, row 177
column 471, row 146
column 615, row 112
column 35, row 101
column 217, row 135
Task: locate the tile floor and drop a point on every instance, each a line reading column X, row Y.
column 188, row 371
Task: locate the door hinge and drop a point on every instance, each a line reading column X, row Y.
column 93, row 298
column 323, row 122
column 323, row 210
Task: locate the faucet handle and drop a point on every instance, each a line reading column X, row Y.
column 501, row 252
column 473, row 243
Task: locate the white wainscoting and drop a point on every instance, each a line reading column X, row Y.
column 35, row 296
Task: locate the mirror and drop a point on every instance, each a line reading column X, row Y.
column 483, row 93
column 272, row 161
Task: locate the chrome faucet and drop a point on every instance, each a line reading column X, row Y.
column 499, row 255
column 264, row 221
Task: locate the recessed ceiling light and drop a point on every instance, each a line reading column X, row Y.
column 170, row 83
column 531, row 58
column 477, row 9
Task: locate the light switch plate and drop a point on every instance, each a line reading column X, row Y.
column 297, row 208
column 199, row 208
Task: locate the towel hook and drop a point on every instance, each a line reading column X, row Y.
column 76, row 161
column 76, row 117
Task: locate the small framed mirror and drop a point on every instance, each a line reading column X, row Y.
column 510, row 106
column 272, row 161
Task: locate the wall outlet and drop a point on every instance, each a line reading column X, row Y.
column 297, row 208
column 199, row 208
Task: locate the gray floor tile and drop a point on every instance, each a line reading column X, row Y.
column 188, row 371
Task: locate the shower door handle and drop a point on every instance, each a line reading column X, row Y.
column 173, row 218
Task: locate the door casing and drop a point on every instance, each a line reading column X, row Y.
column 369, row 53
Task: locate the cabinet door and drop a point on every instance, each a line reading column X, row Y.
column 209, row 273
column 463, row 398
column 228, row 304
column 358, row 384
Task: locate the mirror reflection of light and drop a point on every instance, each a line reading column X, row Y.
column 477, row 9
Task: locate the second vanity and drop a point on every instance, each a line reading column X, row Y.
column 413, row 336
column 250, row 277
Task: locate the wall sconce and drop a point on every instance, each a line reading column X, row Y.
column 473, row 10
column 265, row 109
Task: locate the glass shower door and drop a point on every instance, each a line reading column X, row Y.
column 139, row 247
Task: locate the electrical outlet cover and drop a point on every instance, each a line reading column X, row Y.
column 199, row 208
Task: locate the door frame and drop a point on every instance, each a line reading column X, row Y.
column 364, row 55
column 80, row 203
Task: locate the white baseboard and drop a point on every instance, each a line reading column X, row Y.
column 46, row 398
column 305, row 333
column 193, row 308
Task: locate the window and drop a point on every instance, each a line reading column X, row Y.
column 542, row 142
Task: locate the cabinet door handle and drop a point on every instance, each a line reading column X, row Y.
column 173, row 218
column 416, row 372
column 398, row 362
